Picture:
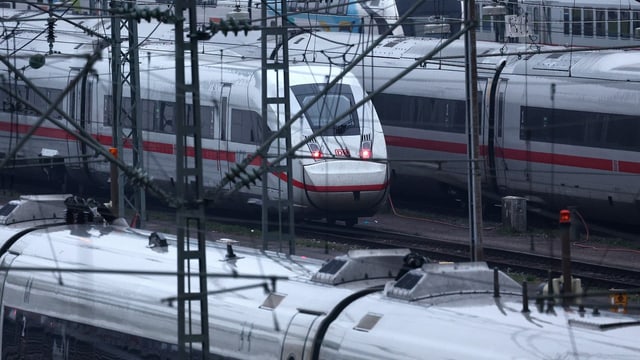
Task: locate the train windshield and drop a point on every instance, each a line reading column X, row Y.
column 323, row 112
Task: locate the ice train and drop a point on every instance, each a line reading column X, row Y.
column 557, row 127
column 340, row 174
column 543, row 22
column 100, row 290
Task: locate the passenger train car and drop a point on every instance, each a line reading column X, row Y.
column 559, row 128
column 340, row 173
column 590, row 23
column 100, row 290
column 369, row 16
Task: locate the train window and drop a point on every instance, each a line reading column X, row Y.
column 600, row 22
column 612, row 23
column 337, row 101
column 576, row 21
column 625, row 24
column 636, row 22
column 500, row 113
column 206, row 121
column 342, row 7
column 567, row 20
column 580, row 128
column 623, row 132
column 165, row 120
column 421, row 112
column 588, row 22
column 125, row 111
column 486, row 22
column 332, row 7
column 108, row 113
column 147, row 114
column 246, row 126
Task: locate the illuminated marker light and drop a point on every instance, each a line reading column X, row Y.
column 565, row 217
column 365, row 150
column 316, row 153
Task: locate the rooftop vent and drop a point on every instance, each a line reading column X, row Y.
column 33, row 207
column 362, row 265
column 434, row 280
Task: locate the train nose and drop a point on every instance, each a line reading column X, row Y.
column 346, row 186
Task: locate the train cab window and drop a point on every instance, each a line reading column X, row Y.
column 246, row 126
column 635, row 23
column 337, row 101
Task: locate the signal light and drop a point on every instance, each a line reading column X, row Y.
column 565, row 217
column 316, row 153
column 365, row 150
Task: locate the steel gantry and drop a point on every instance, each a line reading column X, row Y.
column 190, row 214
column 277, row 30
column 125, row 72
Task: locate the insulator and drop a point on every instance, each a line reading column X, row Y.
column 51, row 35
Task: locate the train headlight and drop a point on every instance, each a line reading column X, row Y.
column 314, row 148
column 365, row 150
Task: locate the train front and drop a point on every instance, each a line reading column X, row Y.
column 343, row 172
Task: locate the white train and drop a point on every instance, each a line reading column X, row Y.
column 82, row 291
column 559, row 128
column 341, row 174
column 590, row 23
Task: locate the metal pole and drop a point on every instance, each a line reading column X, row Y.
column 565, row 228
column 474, row 180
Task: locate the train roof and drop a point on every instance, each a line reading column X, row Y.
column 622, row 65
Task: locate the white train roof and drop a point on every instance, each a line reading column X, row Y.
column 521, row 59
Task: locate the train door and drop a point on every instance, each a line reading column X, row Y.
column 297, row 343
column 79, row 108
column 223, row 120
column 497, row 159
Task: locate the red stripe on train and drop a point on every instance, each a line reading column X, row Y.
column 520, row 155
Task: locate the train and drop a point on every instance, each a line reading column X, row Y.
column 581, row 23
column 340, row 173
column 83, row 288
column 556, row 127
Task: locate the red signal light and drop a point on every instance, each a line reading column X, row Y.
column 565, row 216
column 365, row 150
column 316, row 153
